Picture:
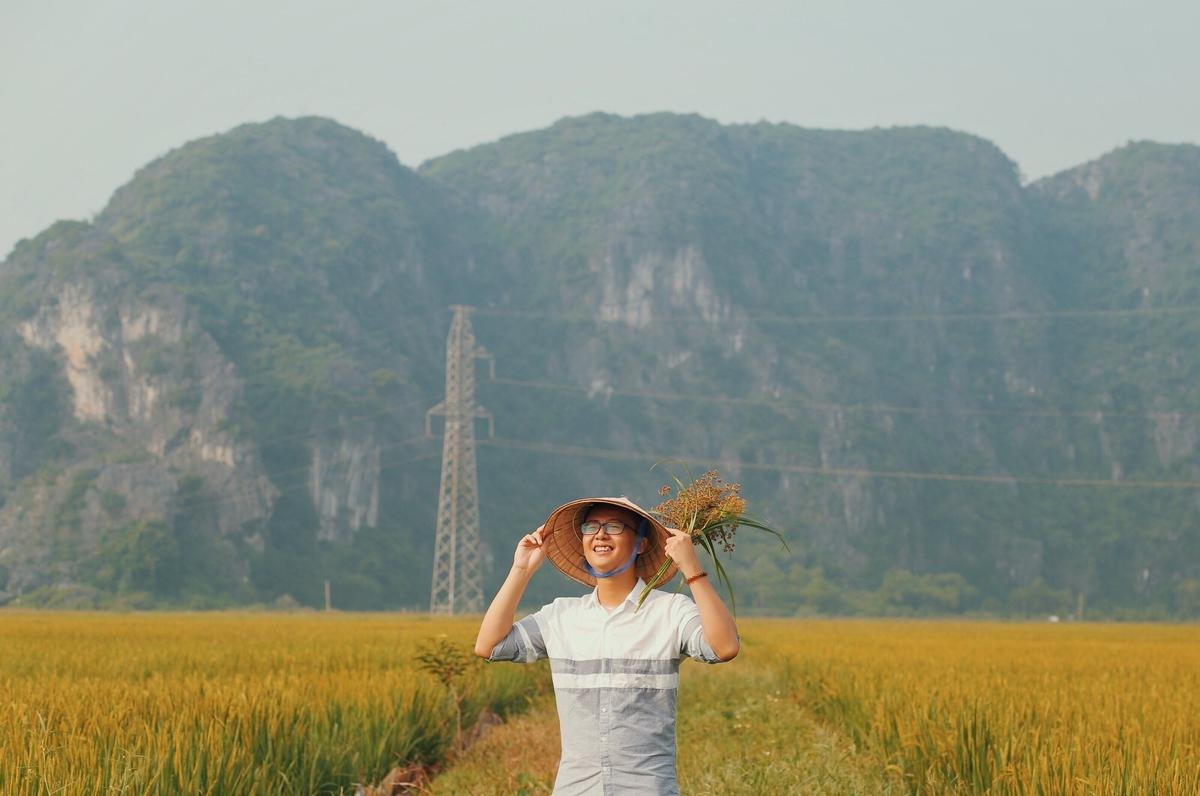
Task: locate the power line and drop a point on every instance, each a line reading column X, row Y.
column 752, row 317
column 381, row 335
column 1095, row 414
column 617, row 455
column 194, row 506
column 779, row 403
column 191, row 507
column 826, row 406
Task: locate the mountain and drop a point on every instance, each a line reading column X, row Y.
column 214, row 392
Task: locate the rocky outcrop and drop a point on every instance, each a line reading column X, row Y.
column 150, row 398
column 239, row 343
column 344, row 485
column 148, row 375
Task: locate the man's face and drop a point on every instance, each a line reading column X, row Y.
column 604, row 551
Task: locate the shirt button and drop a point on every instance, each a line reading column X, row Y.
column 603, row 710
column 604, row 738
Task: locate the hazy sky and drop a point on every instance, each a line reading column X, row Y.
column 90, row 91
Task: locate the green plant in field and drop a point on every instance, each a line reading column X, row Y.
column 449, row 663
column 532, row 785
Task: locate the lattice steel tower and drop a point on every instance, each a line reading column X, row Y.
column 457, row 556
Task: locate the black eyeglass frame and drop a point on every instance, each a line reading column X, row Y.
column 604, row 525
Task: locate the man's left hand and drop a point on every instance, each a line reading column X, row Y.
column 682, row 551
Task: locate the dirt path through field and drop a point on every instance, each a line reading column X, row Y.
column 739, row 732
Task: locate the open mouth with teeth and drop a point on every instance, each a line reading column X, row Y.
column 601, row 549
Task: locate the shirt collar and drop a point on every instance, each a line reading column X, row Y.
column 593, row 599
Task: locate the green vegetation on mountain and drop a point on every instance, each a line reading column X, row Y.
column 214, row 393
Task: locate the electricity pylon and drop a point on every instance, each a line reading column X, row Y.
column 457, row 575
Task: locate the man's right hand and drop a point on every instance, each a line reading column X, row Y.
column 531, row 551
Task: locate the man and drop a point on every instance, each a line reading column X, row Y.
column 615, row 667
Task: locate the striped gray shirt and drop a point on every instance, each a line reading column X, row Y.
column 616, row 675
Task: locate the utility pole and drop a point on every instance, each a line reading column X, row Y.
column 457, row 576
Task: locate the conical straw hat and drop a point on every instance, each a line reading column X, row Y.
column 564, row 542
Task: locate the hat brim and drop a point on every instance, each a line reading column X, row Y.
column 564, row 543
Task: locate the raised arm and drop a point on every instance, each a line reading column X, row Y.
column 718, row 624
column 498, row 620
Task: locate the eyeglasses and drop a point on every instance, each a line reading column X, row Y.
column 612, row 528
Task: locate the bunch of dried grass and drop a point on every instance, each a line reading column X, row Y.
column 710, row 510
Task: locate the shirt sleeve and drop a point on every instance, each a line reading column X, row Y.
column 691, row 634
column 524, row 642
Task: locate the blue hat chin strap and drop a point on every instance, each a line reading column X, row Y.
column 643, row 528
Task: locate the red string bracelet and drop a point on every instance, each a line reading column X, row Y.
column 697, row 576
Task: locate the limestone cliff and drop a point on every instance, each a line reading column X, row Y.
column 213, row 392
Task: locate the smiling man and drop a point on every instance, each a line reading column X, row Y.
column 615, row 667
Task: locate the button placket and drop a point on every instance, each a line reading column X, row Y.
column 604, row 697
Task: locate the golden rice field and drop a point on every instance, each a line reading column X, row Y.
column 270, row 703
column 226, row 703
column 959, row 707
